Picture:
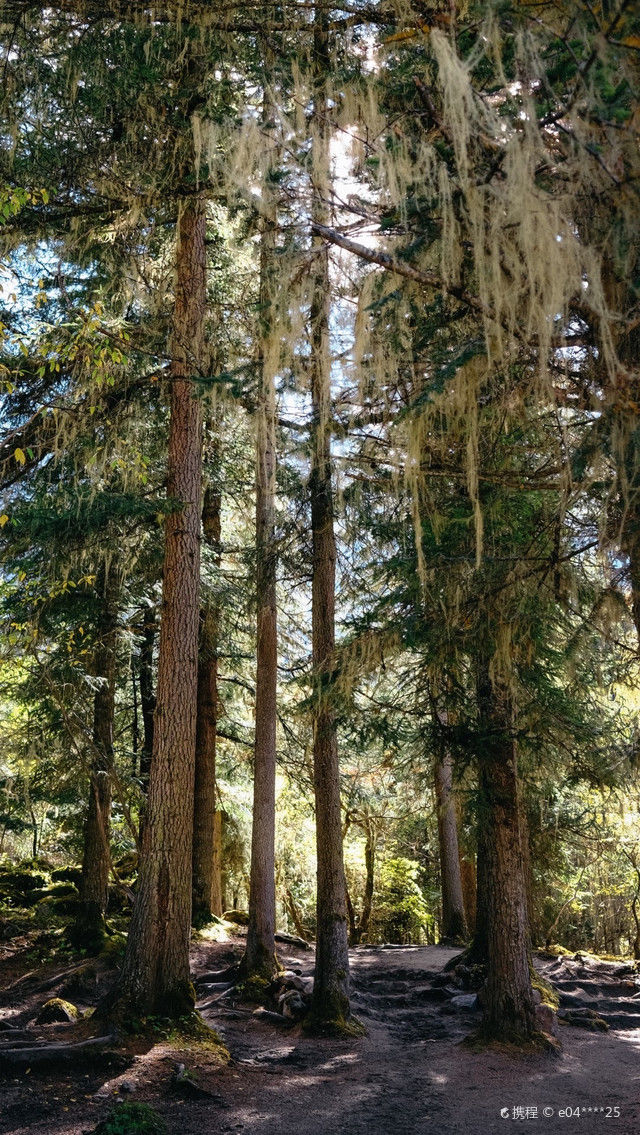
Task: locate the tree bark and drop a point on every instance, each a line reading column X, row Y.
column 509, row 1010
column 533, row 930
column 370, row 869
column 352, row 921
column 260, row 954
column 147, row 708
column 135, row 721
column 207, row 899
column 217, row 890
column 479, row 949
column 147, row 697
column 454, row 925
column 468, row 874
column 155, row 971
column 89, row 925
column 359, row 926
column 330, row 1006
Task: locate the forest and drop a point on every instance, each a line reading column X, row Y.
column 319, row 566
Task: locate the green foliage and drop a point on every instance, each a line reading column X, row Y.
column 132, row 1119
column 401, row 913
column 488, row 476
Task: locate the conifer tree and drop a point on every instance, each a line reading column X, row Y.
column 260, row 956
column 331, row 983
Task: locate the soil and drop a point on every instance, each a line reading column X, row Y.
column 412, row 1073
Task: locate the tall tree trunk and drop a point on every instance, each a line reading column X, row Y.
column 147, row 697
column 370, row 870
column 155, row 971
column 330, row 1006
column 207, row 899
column 469, row 889
column 260, row 954
column 454, row 925
column 217, row 890
column 148, row 709
column 352, row 921
column 89, row 926
column 135, row 721
column 478, row 951
column 509, row 1010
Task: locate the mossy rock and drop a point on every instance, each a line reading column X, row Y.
column 21, row 882
column 58, row 891
column 132, row 1119
column 63, row 898
column 32, row 898
column 67, row 875
column 57, row 1011
column 239, row 917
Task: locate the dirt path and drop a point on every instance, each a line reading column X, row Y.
column 409, row 1075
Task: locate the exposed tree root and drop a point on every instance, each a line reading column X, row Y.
column 57, row 1053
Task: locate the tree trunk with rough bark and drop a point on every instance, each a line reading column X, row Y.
column 135, row 720
column 155, row 971
column 259, row 959
column 217, row 889
column 478, row 950
column 330, row 1007
column 89, row 925
column 469, row 888
column 147, row 697
column 509, row 1009
column 207, row 899
column 454, row 925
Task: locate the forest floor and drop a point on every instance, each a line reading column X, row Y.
column 410, row 1074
